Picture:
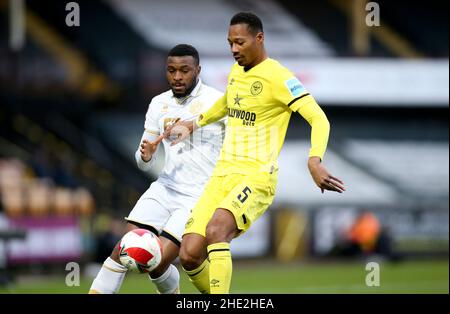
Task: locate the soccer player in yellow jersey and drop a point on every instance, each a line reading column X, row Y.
column 259, row 100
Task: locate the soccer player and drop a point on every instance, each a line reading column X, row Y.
column 260, row 97
column 166, row 205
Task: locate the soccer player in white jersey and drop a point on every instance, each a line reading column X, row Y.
column 166, row 205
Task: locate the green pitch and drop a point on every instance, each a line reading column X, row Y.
column 271, row 277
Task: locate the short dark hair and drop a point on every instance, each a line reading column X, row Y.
column 183, row 50
column 254, row 23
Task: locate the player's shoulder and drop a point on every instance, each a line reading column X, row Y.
column 208, row 94
column 235, row 68
column 210, row 91
column 158, row 102
column 277, row 70
column 163, row 97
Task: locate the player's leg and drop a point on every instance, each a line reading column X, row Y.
column 110, row 277
column 220, row 230
column 194, row 260
column 148, row 213
column 247, row 199
column 166, row 276
column 193, row 255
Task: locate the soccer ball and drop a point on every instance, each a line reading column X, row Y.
column 140, row 251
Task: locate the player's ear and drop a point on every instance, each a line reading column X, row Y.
column 199, row 69
column 260, row 37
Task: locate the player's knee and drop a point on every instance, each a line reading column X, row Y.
column 189, row 258
column 216, row 233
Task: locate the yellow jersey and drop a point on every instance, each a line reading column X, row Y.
column 259, row 103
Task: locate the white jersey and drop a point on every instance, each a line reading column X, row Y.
column 189, row 164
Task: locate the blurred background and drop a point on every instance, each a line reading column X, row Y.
column 74, row 91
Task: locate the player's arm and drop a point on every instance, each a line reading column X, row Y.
column 320, row 130
column 183, row 129
column 320, row 127
column 213, row 114
column 146, row 153
column 290, row 91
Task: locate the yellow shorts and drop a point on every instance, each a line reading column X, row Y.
column 246, row 196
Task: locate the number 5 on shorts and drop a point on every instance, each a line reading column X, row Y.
column 244, row 192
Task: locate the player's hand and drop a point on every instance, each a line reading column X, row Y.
column 179, row 131
column 148, row 148
column 323, row 179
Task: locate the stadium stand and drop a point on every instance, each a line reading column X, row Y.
column 405, row 21
column 61, row 162
column 150, row 20
column 293, row 190
column 424, row 25
column 419, row 169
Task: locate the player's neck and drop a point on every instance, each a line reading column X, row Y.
column 263, row 56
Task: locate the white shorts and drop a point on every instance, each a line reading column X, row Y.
column 164, row 210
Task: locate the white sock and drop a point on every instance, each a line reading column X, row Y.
column 109, row 278
column 168, row 282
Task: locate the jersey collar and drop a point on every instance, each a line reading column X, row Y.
column 256, row 66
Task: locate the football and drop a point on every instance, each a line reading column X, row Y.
column 140, row 251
